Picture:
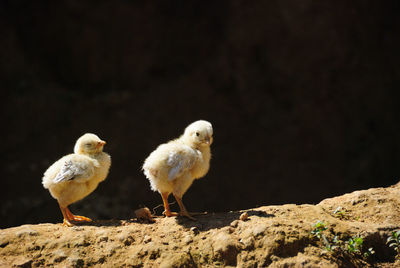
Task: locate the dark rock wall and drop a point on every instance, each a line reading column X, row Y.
column 303, row 97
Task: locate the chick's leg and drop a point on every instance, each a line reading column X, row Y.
column 76, row 217
column 183, row 211
column 67, row 221
column 167, row 212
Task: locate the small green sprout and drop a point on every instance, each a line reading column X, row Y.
column 339, row 212
column 319, row 227
column 394, row 241
column 354, row 244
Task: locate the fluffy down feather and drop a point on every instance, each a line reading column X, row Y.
column 76, row 175
column 173, row 166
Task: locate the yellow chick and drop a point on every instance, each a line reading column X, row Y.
column 173, row 166
column 76, row 175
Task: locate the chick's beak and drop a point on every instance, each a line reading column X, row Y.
column 100, row 144
column 208, row 140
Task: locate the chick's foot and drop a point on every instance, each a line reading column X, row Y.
column 76, row 218
column 187, row 215
column 169, row 213
column 67, row 223
column 80, row 218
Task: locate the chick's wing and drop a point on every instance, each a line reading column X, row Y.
column 180, row 161
column 77, row 169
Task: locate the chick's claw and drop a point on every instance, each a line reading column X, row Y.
column 187, row 215
column 76, row 218
column 169, row 213
column 80, row 219
column 67, row 223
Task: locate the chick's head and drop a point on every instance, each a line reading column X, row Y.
column 89, row 144
column 199, row 133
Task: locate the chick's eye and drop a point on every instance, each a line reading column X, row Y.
column 197, row 134
column 88, row 144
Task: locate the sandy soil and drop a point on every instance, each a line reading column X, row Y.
column 275, row 236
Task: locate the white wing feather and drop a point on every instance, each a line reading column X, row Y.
column 180, row 162
column 74, row 170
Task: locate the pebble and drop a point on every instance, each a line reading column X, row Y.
column 234, row 224
column 244, row 216
column 195, row 230
column 144, row 214
column 146, row 239
column 187, row 239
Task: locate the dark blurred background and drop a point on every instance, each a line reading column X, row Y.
column 303, row 97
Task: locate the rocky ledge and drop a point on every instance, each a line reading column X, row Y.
column 275, row 236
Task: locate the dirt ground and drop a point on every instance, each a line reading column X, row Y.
column 274, row 236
